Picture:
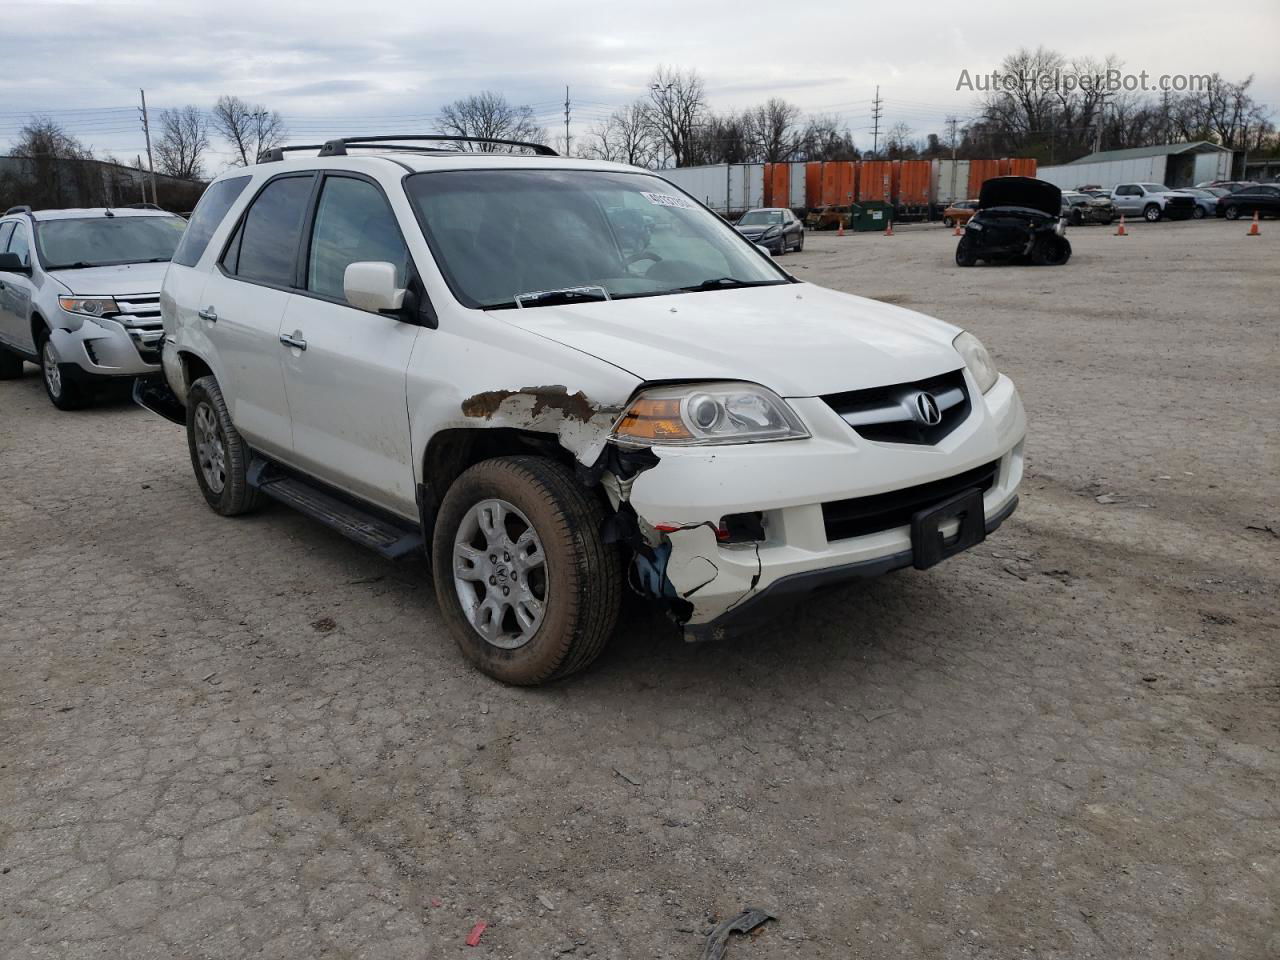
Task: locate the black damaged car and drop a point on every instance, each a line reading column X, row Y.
column 1019, row 220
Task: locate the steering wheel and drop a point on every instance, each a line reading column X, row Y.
column 644, row 255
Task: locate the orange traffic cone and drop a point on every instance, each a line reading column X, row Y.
column 840, row 228
column 957, row 232
column 1253, row 228
column 1120, row 230
column 888, row 231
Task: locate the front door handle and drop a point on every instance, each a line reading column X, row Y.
column 293, row 341
column 209, row 314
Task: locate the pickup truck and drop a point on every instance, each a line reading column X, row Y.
column 1153, row 201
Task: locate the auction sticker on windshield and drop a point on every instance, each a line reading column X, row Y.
column 668, row 200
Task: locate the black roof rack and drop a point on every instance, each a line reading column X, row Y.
column 20, row 208
column 142, row 206
column 338, row 147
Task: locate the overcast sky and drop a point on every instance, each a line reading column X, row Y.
column 334, row 68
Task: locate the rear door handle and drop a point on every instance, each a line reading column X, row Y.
column 210, row 314
column 290, row 341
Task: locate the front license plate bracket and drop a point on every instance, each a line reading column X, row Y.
column 929, row 546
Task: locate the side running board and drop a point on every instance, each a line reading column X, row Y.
column 392, row 539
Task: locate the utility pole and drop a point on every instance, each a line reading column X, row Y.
column 876, row 113
column 566, row 120
column 146, row 129
column 952, row 123
column 1102, row 116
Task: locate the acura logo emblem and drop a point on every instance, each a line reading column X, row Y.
column 927, row 409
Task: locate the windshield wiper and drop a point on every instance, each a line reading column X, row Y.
column 728, row 283
column 546, row 298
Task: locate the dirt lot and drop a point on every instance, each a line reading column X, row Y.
column 249, row 738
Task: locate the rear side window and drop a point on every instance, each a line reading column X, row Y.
column 265, row 247
column 213, row 206
column 353, row 223
column 5, row 230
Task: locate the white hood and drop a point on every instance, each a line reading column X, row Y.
column 113, row 281
column 797, row 339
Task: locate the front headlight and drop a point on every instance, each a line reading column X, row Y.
column 977, row 360
column 89, row 306
column 772, row 231
column 707, row 413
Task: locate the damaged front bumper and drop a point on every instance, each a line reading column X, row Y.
column 795, row 487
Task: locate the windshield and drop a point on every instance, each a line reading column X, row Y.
column 1154, row 187
column 760, row 218
column 502, row 234
column 106, row 241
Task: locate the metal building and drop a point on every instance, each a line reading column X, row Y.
column 1173, row 164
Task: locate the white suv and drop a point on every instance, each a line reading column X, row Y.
column 80, row 295
column 560, row 376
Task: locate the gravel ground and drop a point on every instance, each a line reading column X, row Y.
column 249, row 738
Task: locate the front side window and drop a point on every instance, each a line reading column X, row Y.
column 265, row 246
column 107, row 241
column 498, row 234
column 353, row 223
column 5, row 230
column 19, row 244
column 213, row 206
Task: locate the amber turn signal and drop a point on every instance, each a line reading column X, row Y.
column 653, row 419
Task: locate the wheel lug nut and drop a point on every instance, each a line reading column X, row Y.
column 493, row 581
column 505, row 591
column 493, row 558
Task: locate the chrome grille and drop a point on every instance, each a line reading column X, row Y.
column 887, row 414
column 140, row 315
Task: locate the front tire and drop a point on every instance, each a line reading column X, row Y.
column 63, row 392
column 1197, row 213
column 528, row 587
column 1152, row 213
column 1050, row 251
column 965, row 253
column 1232, row 213
column 219, row 454
column 948, row 222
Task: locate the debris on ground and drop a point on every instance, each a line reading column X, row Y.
column 1264, row 528
column 627, row 777
column 324, row 625
column 1015, row 571
column 745, row 922
column 1108, row 498
column 473, row 938
column 546, row 901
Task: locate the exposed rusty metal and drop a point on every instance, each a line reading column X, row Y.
column 546, row 399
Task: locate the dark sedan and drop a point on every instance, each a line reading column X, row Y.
column 1262, row 199
column 776, row 229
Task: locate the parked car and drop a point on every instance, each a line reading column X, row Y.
column 1206, row 202
column 455, row 353
column 829, row 217
column 1018, row 220
column 1080, row 208
column 959, row 212
column 1231, row 186
column 776, row 229
column 1262, row 199
column 80, row 295
column 1153, row 201
column 1095, row 192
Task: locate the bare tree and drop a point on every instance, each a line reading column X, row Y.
column 775, row 129
column 677, row 101
column 250, row 128
column 899, row 144
column 55, row 169
column 626, row 137
column 488, row 114
column 184, row 137
column 824, row 138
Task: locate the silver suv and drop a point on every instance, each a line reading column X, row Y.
column 80, row 295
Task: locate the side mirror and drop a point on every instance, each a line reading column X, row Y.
column 12, row 263
column 765, row 250
column 371, row 285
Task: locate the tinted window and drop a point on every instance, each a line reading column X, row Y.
column 20, row 245
column 269, row 234
column 353, row 223
column 103, row 241
column 213, row 206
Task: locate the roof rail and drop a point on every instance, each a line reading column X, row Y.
column 338, row 147
column 142, row 206
column 20, row 208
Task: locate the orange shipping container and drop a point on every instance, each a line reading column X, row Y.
column 777, row 184
column 838, row 183
column 1018, row 167
column 980, row 171
column 876, row 180
column 913, row 183
column 813, row 184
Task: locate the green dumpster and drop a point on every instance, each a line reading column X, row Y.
column 871, row 215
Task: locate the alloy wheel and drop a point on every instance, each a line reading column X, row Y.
column 52, row 372
column 499, row 572
column 210, row 450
